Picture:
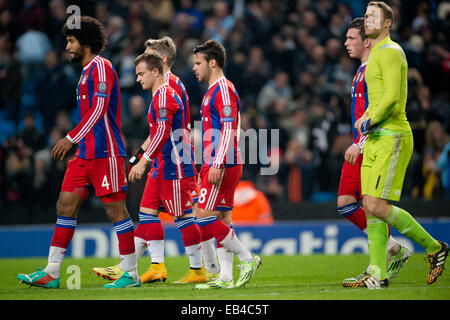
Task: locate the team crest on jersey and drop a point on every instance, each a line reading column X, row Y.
column 102, row 86
column 206, row 101
column 227, row 111
column 83, row 80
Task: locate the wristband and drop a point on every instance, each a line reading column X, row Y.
column 135, row 158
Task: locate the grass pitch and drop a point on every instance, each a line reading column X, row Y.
column 313, row 277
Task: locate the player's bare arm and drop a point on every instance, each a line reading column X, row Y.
column 146, row 143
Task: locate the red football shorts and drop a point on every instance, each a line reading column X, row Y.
column 106, row 176
column 194, row 187
column 219, row 197
column 171, row 196
column 350, row 183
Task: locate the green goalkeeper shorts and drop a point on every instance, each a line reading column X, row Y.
column 385, row 159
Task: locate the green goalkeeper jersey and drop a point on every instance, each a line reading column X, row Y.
column 386, row 78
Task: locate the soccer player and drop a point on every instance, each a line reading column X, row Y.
column 222, row 163
column 168, row 185
column 99, row 162
column 167, row 49
column 157, row 270
column 388, row 150
column 349, row 193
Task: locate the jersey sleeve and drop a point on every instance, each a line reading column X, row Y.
column 184, row 94
column 185, row 99
column 390, row 62
column 165, row 110
column 103, row 79
column 226, row 105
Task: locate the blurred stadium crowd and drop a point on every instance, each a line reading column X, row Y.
column 286, row 59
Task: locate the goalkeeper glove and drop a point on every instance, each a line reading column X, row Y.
column 365, row 126
column 135, row 159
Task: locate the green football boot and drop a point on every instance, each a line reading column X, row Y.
column 39, row 279
column 248, row 269
column 395, row 262
column 216, row 284
column 125, row 281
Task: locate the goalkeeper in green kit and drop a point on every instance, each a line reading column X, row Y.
column 387, row 151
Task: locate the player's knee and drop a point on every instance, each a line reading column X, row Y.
column 368, row 205
column 201, row 213
column 69, row 202
column 225, row 217
column 375, row 206
column 346, row 205
column 66, row 208
column 194, row 209
column 116, row 212
column 343, row 201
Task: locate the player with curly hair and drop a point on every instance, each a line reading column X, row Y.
column 99, row 162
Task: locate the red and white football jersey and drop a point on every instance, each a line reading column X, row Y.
column 99, row 130
column 168, row 150
column 220, row 113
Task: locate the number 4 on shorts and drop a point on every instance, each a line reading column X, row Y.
column 105, row 183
